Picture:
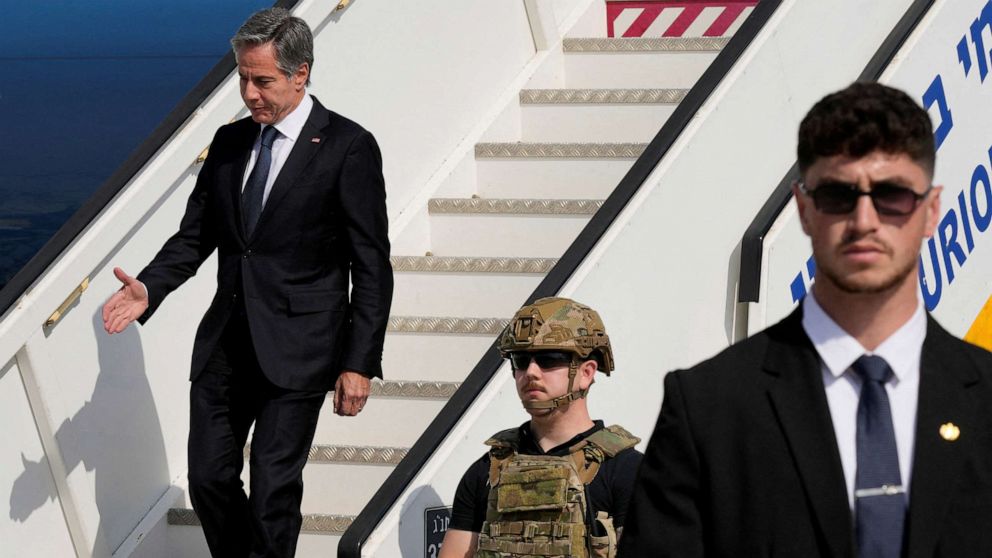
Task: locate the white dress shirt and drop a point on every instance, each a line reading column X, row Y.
column 838, row 351
column 289, row 129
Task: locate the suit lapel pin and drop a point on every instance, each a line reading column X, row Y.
column 949, row 431
column 314, row 140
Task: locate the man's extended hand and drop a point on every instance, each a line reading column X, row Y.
column 350, row 393
column 126, row 304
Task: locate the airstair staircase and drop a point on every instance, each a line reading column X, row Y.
column 512, row 169
column 496, row 226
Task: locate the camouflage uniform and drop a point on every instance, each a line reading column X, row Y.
column 537, row 505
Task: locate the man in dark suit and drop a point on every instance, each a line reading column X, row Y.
column 857, row 426
column 293, row 200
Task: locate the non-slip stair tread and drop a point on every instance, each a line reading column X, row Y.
column 317, row 523
column 355, row 455
column 420, row 389
column 466, row 264
column 601, row 96
column 558, row 150
column 513, row 206
column 445, row 324
column 661, row 44
column 325, row 453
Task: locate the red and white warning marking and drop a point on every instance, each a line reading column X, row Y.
column 675, row 18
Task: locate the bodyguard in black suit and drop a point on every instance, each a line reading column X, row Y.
column 857, row 426
column 292, row 220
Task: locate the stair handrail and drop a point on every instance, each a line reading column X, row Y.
column 35, row 267
column 752, row 243
column 350, row 545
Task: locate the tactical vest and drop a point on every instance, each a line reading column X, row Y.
column 538, row 505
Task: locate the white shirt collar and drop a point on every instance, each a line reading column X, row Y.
column 838, row 350
column 292, row 124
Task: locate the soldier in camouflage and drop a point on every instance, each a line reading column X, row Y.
column 558, row 485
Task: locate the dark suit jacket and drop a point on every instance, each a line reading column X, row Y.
column 743, row 460
column 325, row 218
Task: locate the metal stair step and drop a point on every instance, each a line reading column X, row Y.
column 187, row 542
column 548, row 178
column 529, row 169
column 657, row 63
column 439, row 347
column 361, row 455
column 384, row 422
column 316, row 523
column 550, row 150
column 656, row 44
column 586, row 115
column 422, row 389
column 507, row 227
column 406, row 406
column 341, row 488
column 601, row 96
column 471, row 264
column 452, row 286
column 339, row 479
column 446, row 325
column 448, row 357
column 512, row 206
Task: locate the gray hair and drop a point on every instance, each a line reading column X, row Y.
column 289, row 35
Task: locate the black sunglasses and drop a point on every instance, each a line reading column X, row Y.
column 520, row 360
column 838, row 198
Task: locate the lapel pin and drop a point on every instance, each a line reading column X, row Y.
column 949, row 431
column 314, row 140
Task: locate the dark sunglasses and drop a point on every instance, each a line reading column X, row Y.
column 838, row 198
column 547, row 359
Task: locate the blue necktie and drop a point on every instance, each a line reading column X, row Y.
column 254, row 194
column 880, row 499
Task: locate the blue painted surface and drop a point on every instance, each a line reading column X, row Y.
column 84, row 83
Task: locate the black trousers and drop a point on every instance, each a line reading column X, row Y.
column 225, row 400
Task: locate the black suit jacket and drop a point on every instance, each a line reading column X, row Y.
column 325, row 219
column 743, row 460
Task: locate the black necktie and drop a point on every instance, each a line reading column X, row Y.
column 880, row 499
column 254, row 194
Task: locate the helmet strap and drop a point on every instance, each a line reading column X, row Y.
column 563, row 400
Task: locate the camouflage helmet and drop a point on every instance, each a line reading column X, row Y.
column 558, row 324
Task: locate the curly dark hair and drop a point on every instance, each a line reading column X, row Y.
column 866, row 117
